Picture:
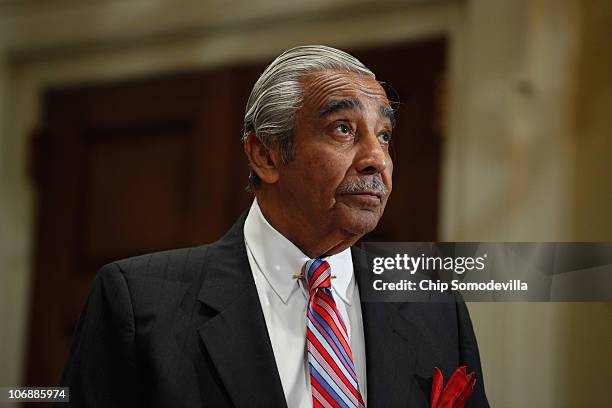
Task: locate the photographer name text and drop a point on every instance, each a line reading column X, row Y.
column 455, row 284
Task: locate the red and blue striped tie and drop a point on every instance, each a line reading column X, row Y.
column 332, row 373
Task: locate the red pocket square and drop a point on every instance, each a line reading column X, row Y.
column 458, row 389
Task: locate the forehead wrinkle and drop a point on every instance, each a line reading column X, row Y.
column 322, row 86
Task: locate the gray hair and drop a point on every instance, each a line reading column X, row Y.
column 277, row 95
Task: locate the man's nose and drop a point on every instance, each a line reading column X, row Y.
column 372, row 157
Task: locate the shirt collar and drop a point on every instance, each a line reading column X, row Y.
column 279, row 259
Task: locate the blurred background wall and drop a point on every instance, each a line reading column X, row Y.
column 525, row 152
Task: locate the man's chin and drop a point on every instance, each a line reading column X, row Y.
column 358, row 221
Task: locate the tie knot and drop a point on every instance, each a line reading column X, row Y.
column 318, row 274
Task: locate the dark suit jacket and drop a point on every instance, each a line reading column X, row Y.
column 184, row 328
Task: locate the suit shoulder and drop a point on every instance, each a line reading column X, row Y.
column 175, row 264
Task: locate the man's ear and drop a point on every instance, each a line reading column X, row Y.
column 263, row 161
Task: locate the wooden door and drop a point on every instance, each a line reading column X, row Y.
column 133, row 167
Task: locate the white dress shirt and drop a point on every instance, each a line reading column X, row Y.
column 273, row 260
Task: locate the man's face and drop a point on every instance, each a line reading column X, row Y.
column 340, row 176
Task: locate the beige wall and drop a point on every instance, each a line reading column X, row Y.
column 528, row 134
column 589, row 326
column 537, row 170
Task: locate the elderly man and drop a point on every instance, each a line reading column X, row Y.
column 270, row 315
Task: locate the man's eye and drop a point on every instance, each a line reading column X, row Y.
column 343, row 129
column 385, row 137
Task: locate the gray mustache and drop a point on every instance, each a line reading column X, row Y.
column 375, row 184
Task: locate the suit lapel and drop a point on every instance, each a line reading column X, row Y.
column 237, row 338
column 392, row 344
